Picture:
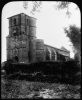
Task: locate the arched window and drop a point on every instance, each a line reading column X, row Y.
column 53, row 55
column 48, row 54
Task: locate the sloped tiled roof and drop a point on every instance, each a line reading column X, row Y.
column 63, row 48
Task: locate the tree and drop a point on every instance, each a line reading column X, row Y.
column 74, row 35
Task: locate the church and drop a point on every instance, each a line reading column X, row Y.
column 23, row 45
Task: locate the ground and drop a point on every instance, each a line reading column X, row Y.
column 26, row 89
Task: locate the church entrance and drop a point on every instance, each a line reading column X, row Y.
column 16, row 59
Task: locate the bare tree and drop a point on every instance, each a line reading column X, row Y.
column 25, row 4
column 35, row 7
column 61, row 5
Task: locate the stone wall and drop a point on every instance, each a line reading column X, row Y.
column 18, row 47
column 40, row 54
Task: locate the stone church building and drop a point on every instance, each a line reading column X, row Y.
column 23, row 45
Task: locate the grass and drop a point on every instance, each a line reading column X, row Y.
column 26, row 89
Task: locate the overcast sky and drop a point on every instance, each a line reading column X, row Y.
column 50, row 23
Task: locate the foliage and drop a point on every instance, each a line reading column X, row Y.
column 26, row 89
column 74, row 35
column 35, row 5
column 63, row 4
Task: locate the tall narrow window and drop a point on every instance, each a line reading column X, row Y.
column 27, row 21
column 14, row 21
column 47, row 54
column 53, row 55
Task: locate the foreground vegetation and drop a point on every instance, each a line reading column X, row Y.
column 26, row 89
column 65, row 72
column 41, row 80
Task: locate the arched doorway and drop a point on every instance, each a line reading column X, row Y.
column 16, row 59
column 15, row 55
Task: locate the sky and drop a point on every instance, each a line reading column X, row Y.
column 50, row 23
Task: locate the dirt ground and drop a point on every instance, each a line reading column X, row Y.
column 25, row 89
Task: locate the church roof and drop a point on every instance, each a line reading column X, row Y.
column 20, row 14
column 57, row 48
column 63, row 48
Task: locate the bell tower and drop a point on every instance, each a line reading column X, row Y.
column 21, row 38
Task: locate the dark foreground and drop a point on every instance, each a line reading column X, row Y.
column 68, row 72
column 53, row 80
column 25, row 89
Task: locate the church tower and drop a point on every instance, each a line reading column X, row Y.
column 21, row 38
